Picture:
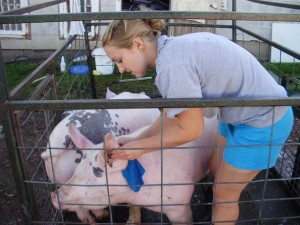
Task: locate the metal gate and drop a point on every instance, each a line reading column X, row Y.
column 28, row 122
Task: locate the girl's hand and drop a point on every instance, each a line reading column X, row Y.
column 124, row 140
column 127, row 154
column 117, row 152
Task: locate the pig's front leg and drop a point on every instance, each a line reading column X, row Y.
column 100, row 213
column 85, row 216
column 180, row 215
column 134, row 215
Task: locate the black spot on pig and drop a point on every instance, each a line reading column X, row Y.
column 97, row 171
column 68, row 142
column 115, row 129
column 96, row 158
column 94, row 125
column 78, row 160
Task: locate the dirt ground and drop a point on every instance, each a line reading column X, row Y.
column 11, row 212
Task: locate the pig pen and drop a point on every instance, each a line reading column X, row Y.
column 271, row 198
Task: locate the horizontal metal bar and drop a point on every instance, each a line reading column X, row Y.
column 282, row 5
column 198, row 25
column 147, row 103
column 173, row 25
column 31, row 8
column 149, row 15
column 274, row 44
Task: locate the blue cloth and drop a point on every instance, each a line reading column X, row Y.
column 249, row 148
column 133, row 174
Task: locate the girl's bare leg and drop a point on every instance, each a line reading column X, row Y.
column 227, row 195
column 227, row 189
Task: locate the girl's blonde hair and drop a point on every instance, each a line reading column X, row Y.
column 120, row 33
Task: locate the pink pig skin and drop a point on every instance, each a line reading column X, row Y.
column 63, row 160
column 183, row 166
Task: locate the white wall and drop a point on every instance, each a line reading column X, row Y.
column 288, row 35
column 263, row 28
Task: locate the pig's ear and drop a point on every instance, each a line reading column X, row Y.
column 109, row 94
column 79, row 140
column 111, row 142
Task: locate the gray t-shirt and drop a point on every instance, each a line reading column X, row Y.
column 205, row 65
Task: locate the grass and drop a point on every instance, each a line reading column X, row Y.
column 281, row 69
column 289, row 72
column 115, row 83
column 17, row 72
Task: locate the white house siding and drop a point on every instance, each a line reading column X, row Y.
column 45, row 36
column 41, row 35
column 109, row 6
column 193, row 5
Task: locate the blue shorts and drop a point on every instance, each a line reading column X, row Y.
column 249, row 148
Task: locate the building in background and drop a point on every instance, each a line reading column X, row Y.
column 38, row 39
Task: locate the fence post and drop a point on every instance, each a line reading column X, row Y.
column 89, row 55
column 234, row 22
column 24, row 190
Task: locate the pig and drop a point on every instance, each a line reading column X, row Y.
column 60, row 161
column 99, row 184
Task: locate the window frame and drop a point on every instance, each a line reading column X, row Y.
column 23, row 33
column 64, row 26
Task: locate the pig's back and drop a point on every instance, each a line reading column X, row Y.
column 186, row 163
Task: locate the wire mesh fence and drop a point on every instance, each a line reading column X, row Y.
column 31, row 124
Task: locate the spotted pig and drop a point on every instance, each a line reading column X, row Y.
column 182, row 167
column 61, row 160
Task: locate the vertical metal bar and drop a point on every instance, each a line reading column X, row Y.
column 161, row 165
column 24, row 190
column 58, row 114
column 89, row 55
column 295, row 183
column 262, row 200
column 234, row 22
column 103, row 119
column 216, row 148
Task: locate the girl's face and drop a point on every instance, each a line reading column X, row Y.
column 133, row 60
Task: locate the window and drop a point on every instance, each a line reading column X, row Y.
column 89, row 6
column 13, row 29
column 133, row 5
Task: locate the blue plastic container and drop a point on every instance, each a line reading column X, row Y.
column 79, row 70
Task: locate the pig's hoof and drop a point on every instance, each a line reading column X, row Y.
column 85, row 217
column 100, row 213
column 105, row 213
column 134, row 215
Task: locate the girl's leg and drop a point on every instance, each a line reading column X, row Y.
column 226, row 195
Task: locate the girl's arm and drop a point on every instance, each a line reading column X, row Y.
column 184, row 127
